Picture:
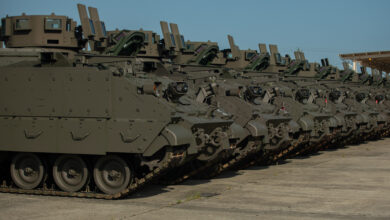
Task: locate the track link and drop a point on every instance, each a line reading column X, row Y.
column 138, row 184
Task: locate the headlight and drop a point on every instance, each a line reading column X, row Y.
column 360, row 97
column 177, row 89
column 254, row 91
column 334, row 95
column 302, row 94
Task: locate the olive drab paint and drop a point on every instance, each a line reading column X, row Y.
column 117, row 109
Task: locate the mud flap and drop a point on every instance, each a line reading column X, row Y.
column 382, row 117
column 362, row 119
column 257, row 129
column 306, row 123
column 238, row 132
column 294, row 126
column 340, row 121
column 333, row 122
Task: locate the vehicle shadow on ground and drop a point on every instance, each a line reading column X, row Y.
column 150, row 190
column 159, row 188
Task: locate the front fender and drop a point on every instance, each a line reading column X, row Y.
column 257, row 129
column 362, row 118
column 294, row 126
column 340, row 120
column 173, row 135
column 238, row 132
column 306, row 123
column 333, row 122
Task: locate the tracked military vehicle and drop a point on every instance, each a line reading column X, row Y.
column 219, row 86
column 193, row 59
column 146, row 66
column 364, row 95
column 90, row 112
column 317, row 126
column 72, row 125
column 343, row 98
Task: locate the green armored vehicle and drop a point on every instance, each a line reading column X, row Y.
column 317, row 127
column 83, row 123
column 368, row 99
column 191, row 62
column 219, row 85
column 90, row 112
column 340, row 96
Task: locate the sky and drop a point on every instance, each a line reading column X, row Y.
column 320, row 29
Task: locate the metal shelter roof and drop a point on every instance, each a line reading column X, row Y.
column 379, row 60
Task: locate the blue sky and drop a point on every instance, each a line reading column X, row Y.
column 320, row 28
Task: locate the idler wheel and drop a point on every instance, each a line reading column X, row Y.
column 70, row 173
column 27, row 170
column 112, row 174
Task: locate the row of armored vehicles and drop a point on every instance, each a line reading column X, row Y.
column 87, row 112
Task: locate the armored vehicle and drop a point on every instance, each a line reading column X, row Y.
column 343, row 96
column 219, row 85
column 192, row 65
column 90, row 112
column 82, row 123
column 290, row 95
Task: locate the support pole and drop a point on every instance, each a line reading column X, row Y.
column 354, row 67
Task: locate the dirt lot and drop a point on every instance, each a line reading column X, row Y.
column 348, row 183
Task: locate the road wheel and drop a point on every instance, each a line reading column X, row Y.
column 70, row 173
column 27, row 170
column 112, row 174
